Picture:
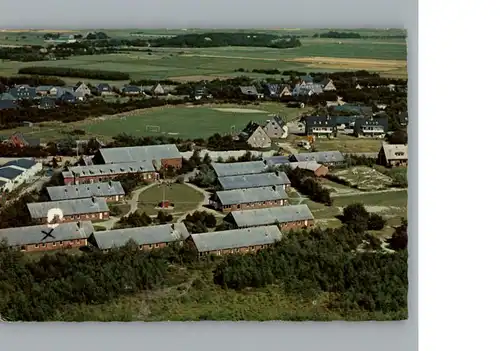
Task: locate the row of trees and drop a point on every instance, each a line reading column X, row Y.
column 29, row 80
column 74, row 72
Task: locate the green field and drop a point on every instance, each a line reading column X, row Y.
column 178, row 121
column 182, row 196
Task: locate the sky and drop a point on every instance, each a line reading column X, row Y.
column 89, row 14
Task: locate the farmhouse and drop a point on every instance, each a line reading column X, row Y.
column 371, row 127
column 110, row 191
column 99, row 173
column 240, row 199
column 393, row 155
column 166, row 155
column 36, row 238
column 235, row 241
column 276, row 128
column 15, row 173
column 286, row 217
column 321, row 126
column 73, row 210
column 238, row 168
column 331, row 158
column 104, row 89
column 146, row 238
column 278, row 179
column 255, row 136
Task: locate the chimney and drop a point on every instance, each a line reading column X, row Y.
column 93, row 199
column 78, row 224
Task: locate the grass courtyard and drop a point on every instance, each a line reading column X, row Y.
column 183, row 197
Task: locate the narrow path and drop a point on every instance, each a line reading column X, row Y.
column 200, row 207
column 361, row 193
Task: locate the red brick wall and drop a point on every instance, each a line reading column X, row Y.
column 174, row 162
column 296, row 225
column 65, row 244
column 241, row 250
column 150, row 176
column 254, row 205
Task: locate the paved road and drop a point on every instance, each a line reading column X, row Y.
column 200, row 207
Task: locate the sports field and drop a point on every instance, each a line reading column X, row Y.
column 179, row 122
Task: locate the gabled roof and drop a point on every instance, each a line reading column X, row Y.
column 69, row 207
column 276, row 160
column 41, row 88
column 395, row 151
column 320, row 156
column 10, row 172
column 245, row 196
column 140, row 235
column 271, row 216
column 7, row 97
column 307, row 165
column 248, row 90
column 25, row 163
column 238, row 168
column 139, row 153
column 131, row 89
column 320, row 120
column 34, row 234
column 22, row 90
column 254, row 180
column 376, row 121
column 233, row 239
column 112, row 169
column 79, row 191
column 278, row 120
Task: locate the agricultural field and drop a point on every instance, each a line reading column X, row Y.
column 183, row 197
column 176, row 121
column 386, row 56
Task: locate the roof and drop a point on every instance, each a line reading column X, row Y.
column 79, row 191
column 395, row 151
column 120, row 168
column 254, row 180
column 270, row 216
column 7, row 96
column 139, row 153
column 40, row 210
column 25, row 163
column 24, row 89
column 140, row 235
column 277, row 160
column 307, row 78
column 320, row 120
column 320, row 156
column 238, row 168
column 232, row 239
column 34, row 235
column 131, row 89
column 103, row 86
column 245, row 196
column 7, row 104
column 43, row 88
column 248, row 90
column 278, row 120
column 308, row 165
column 10, row 172
column 214, row 155
column 380, row 121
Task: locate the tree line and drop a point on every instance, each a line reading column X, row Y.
column 75, row 72
column 30, row 80
column 308, row 185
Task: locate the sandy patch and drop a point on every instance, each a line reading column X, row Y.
column 239, row 110
column 351, row 63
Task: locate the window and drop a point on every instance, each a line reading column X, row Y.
column 157, row 245
column 43, row 245
column 54, row 243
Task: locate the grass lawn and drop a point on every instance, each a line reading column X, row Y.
column 182, row 196
column 123, row 208
column 176, row 121
column 344, row 143
column 364, row 178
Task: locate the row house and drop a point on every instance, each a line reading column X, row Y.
column 100, row 173
column 164, row 155
column 240, row 199
column 286, row 217
column 110, row 191
column 41, row 238
column 146, row 238
column 278, row 179
column 93, row 209
column 235, row 241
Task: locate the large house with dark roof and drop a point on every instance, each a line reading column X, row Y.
column 321, row 126
column 374, row 127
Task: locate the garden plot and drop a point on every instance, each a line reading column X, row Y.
column 364, row 178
